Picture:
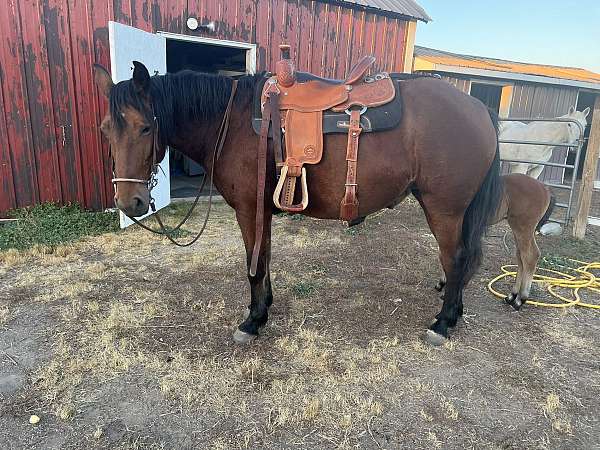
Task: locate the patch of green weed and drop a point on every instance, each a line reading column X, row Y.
column 50, row 225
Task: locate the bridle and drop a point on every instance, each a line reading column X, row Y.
column 152, row 181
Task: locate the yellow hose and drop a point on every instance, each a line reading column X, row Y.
column 583, row 280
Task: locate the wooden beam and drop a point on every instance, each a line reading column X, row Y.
column 506, row 100
column 589, row 174
column 409, row 51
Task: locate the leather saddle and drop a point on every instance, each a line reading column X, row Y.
column 298, row 101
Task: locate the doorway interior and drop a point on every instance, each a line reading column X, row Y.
column 489, row 94
column 201, row 55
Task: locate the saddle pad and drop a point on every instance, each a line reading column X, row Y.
column 380, row 118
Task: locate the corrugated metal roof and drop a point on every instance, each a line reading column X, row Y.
column 408, row 8
column 480, row 62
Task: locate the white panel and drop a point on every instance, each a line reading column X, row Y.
column 128, row 44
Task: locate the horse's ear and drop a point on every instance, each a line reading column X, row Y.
column 103, row 80
column 586, row 111
column 141, row 77
column 571, row 110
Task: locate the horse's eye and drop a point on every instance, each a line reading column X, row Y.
column 145, row 131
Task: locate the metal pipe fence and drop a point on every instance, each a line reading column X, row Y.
column 576, row 146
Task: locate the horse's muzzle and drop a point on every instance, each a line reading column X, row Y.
column 135, row 206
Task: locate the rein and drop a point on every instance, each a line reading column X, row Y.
column 153, row 180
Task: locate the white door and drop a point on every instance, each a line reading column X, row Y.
column 128, row 44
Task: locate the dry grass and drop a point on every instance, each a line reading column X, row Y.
column 341, row 364
column 4, row 314
column 551, row 409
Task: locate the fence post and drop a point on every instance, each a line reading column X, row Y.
column 589, row 173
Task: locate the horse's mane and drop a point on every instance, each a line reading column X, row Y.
column 179, row 98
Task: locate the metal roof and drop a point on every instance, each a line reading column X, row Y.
column 438, row 58
column 408, row 8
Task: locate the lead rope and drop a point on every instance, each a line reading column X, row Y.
column 221, row 136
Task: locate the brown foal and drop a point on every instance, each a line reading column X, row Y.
column 526, row 204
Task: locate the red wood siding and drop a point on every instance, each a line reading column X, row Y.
column 50, row 145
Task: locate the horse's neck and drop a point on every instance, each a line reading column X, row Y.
column 197, row 140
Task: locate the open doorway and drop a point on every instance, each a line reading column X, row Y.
column 489, row 94
column 185, row 53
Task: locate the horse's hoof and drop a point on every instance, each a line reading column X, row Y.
column 515, row 301
column 510, row 299
column 440, row 286
column 241, row 337
column 435, row 339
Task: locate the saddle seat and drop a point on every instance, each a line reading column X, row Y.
column 298, row 101
column 356, row 73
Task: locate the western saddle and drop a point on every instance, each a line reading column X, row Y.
column 294, row 103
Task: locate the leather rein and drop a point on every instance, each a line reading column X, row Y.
column 153, row 180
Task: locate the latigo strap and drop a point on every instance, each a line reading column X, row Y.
column 349, row 204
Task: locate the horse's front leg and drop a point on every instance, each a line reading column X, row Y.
column 261, row 296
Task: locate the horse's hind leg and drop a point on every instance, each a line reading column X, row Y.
column 514, row 292
column 261, row 296
column 448, row 232
column 529, row 256
column 443, row 279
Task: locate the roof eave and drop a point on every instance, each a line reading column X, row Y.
column 498, row 74
column 423, row 18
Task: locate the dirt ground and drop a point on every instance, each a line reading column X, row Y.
column 123, row 341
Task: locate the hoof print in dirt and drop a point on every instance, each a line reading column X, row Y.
column 241, row 337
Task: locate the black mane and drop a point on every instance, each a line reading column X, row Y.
column 178, row 98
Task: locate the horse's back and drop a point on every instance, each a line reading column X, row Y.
column 452, row 133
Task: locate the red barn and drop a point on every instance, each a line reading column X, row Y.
column 50, row 145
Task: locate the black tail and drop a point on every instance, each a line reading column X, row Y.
column 548, row 212
column 480, row 213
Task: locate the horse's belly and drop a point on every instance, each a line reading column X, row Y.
column 382, row 175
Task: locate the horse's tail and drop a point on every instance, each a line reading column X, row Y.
column 548, row 213
column 481, row 212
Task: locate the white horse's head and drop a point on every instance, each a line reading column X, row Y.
column 579, row 116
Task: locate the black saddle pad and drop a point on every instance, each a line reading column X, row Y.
column 379, row 118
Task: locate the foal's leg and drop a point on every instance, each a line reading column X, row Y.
column 529, row 256
column 261, row 296
column 517, row 286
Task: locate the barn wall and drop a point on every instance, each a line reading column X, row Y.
column 541, row 101
column 462, row 84
column 50, row 145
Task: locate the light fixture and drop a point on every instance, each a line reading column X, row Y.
column 192, row 24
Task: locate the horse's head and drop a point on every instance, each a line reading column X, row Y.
column 130, row 127
column 581, row 118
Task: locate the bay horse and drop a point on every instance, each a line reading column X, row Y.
column 445, row 152
column 526, row 205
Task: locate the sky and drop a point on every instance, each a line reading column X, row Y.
column 554, row 32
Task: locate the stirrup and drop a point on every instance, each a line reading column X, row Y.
column 277, row 194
